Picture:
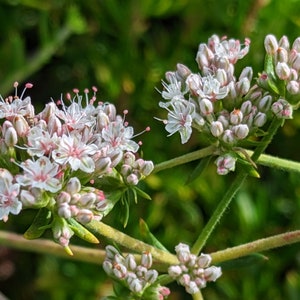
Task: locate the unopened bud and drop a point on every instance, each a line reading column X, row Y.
column 212, row 273
column 64, row 211
column 183, row 71
column 130, row 262
column 10, row 137
column 73, row 186
column 284, row 43
column 282, row 109
column 147, row 168
column 265, row 103
column 236, row 117
column 216, row 128
column 296, row 44
column 260, row 119
column 88, row 199
column 174, row 271
column 120, row 271
column 225, row 164
column 206, row 107
column 111, row 251
column 282, row 55
column 228, row 137
column 136, row 285
column 192, row 288
column 293, row 87
column 146, row 260
column 271, row 44
column 21, row 125
column 240, row 131
column 246, row 107
column 151, row 276
column 282, row 71
column 84, row 216
column 247, row 72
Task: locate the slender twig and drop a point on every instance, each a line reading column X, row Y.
column 131, row 243
column 232, row 190
column 185, row 158
column 264, row 244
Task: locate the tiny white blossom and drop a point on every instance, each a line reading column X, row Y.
column 71, row 150
column 9, row 192
column 40, row 174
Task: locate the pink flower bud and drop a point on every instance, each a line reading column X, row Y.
column 281, row 55
column 151, row 276
column 64, row 211
column 146, row 260
column 84, row 216
column 271, row 44
column 73, row 186
column 225, row 164
column 284, row 43
column 212, row 273
column 183, row 71
column 265, row 103
column 204, row 260
column 240, row 131
column 293, row 87
column 228, row 137
column 132, row 179
column 260, row 119
column 282, row 109
column 236, row 117
column 63, row 197
column 21, row 125
column 246, row 107
column 216, row 128
column 206, row 107
column 130, row 262
column 174, row 271
column 296, row 44
column 282, row 71
column 10, row 137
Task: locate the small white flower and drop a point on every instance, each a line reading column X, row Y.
column 71, row 150
column 180, row 119
column 40, row 174
column 9, row 193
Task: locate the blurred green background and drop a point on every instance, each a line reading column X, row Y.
column 124, row 48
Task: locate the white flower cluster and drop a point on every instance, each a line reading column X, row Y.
column 193, row 272
column 51, row 159
column 137, row 277
column 226, row 108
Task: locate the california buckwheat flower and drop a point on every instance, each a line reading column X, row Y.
column 9, row 192
column 227, row 108
column 138, row 278
column 73, row 161
column 71, row 150
column 40, row 174
column 193, row 272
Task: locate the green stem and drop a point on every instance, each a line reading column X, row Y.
column 264, row 244
column 131, row 243
column 185, row 158
column 277, row 163
column 197, row 296
column 235, row 186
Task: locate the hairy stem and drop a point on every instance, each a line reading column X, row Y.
column 131, row 243
column 180, row 160
column 235, row 186
column 264, row 244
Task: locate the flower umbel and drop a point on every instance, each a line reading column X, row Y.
column 193, row 272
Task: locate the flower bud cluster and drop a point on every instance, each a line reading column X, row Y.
column 65, row 150
column 193, row 272
column 227, row 108
column 137, row 277
column 285, row 59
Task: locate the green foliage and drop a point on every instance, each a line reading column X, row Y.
column 124, row 47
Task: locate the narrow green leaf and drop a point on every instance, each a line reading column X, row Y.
column 149, row 237
column 82, row 232
column 141, row 193
column 39, row 224
column 200, row 168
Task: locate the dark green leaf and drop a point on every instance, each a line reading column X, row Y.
column 200, row 168
column 39, row 224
